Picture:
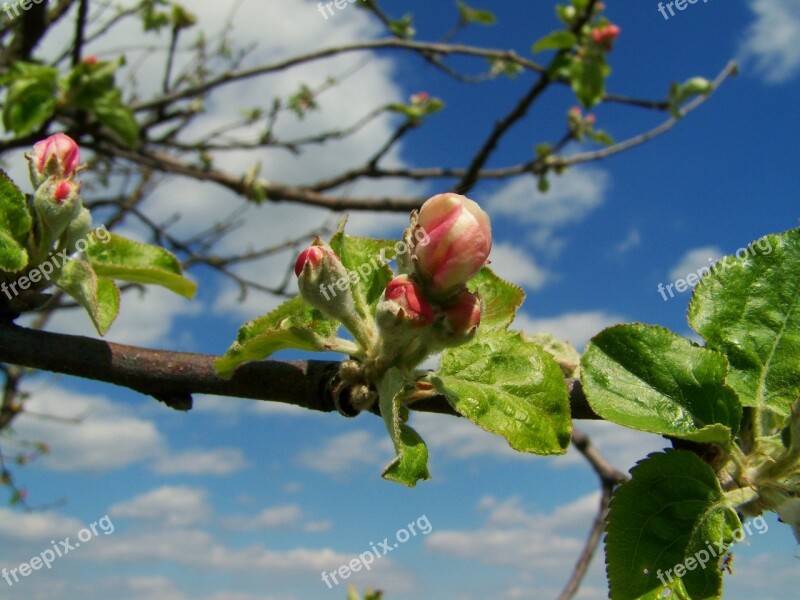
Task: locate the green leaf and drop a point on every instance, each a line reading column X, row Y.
column 509, row 387
column 680, row 93
column 556, row 40
column 501, row 299
column 114, row 114
column 588, row 79
column 15, row 226
column 294, row 324
column 411, row 462
column 120, row 258
column 648, row 378
column 468, row 14
column 667, row 516
column 98, row 295
column 31, row 98
column 748, row 309
column 367, row 259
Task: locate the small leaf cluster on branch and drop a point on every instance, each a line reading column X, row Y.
column 442, row 299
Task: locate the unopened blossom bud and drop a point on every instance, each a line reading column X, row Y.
column 324, row 282
column 90, row 60
column 460, row 241
column 57, row 202
column 461, row 319
column 403, row 306
column 57, row 155
column 605, row 35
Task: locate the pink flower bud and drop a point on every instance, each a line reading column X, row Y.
column 460, row 238
column 90, row 60
column 463, row 316
column 56, row 155
column 312, row 255
column 407, row 302
column 605, row 35
column 324, row 282
column 63, row 189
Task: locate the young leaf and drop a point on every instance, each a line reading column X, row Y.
column 556, row 40
column 509, row 387
column 366, row 260
column 662, row 524
column 747, row 308
column 98, row 295
column 31, row 98
column 411, row 462
column 294, row 324
column 501, row 299
column 112, row 112
column 468, row 14
column 588, row 79
column 648, row 378
column 15, row 225
column 127, row 260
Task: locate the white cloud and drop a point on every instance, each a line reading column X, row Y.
column 344, row 453
column 632, row 241
column 513, row 536
column 106, row 437
column 693, row 260
column 517, row 266
column 173, row 506
column 773, row 40
column 215, row 461
column 24, row 527
column 575, row 327
column 570, row 199
column 288, row 515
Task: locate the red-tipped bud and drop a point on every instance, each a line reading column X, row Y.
column 460, row 239
column 64, row 189
column 90, row 60
column 404, row 301
column 463, row 316
column 312, row 255
column 605, row 35
column 324, row 282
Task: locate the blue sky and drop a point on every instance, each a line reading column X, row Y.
column 242, row 500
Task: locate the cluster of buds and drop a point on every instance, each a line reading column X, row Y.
column 604, row 35
column 425, row 308
column 578, row 123
column 54, row 165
